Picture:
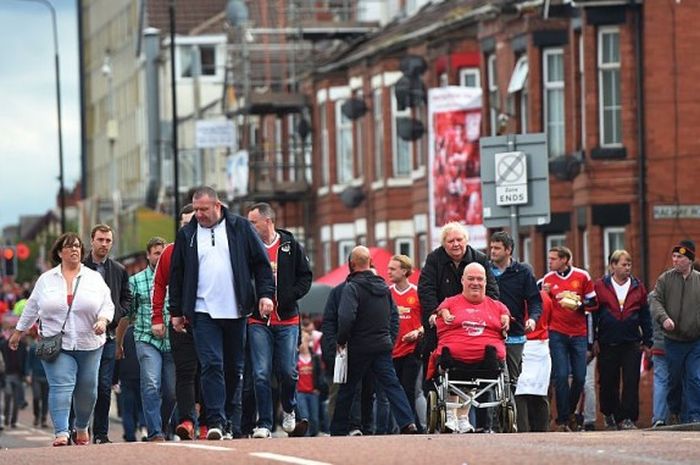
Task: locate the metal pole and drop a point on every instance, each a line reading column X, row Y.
column 514, row 220
column 62, row 194
column 173, row 93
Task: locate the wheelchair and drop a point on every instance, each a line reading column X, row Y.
column 468, row 382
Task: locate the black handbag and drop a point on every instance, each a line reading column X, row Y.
column 48, row 347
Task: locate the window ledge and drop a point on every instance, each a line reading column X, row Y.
column 338, row 188
column 323, row 191
column 418, row 173
column 399, row 182
column 609, row 153
column 376, row 185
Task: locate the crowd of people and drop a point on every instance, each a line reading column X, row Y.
column 209, row 343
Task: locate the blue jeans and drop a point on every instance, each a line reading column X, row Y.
column 157, row 387
column 684, row 371
column 220, row 345
column 383, row 368
column 383, row 421
column 100, row 422
column 273, row 347
column 308, row 403
column 130, row 399
column 661, row 388
column 568, row 356
column 72, row 377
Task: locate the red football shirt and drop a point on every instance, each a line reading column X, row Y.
column 409, row 318
column 541, row 331
column 569, row 322
column 305, row 367
column 475, row 326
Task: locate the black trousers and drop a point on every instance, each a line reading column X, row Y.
column 619, row 362
column 407, row 370
column 186, row 379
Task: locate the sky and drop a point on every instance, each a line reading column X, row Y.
column 29, row 160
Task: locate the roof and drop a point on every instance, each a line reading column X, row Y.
column 187, row 17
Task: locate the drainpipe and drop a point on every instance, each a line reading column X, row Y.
column 641, row 156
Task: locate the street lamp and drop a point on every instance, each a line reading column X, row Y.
column 112, row 134
column 62, row 193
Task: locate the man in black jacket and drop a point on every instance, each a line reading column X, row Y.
column 117, row 280
column 219, row 274
column 367, row 327
column 273, row 338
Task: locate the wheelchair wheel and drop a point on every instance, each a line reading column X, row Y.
column 436, row 414
column 507, row 418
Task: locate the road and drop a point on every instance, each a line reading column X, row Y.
column 595, row 448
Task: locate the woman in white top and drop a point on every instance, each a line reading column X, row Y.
column 72, row 376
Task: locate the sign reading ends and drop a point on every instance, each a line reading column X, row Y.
column 511, row 178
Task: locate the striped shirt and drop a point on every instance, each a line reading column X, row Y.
column 140, row 311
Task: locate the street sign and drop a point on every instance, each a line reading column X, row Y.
column 534, row 147
column 511, row 178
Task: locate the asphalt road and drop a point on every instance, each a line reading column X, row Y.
column 595, row 448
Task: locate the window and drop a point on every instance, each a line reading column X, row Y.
column 402, row 148
column 362, row 240
column 586, row 251
column 527, row 250
column 344, row 249
column 421, row 144
column 554, row 100
column 325, row 161
column 422, row 249
column 404, row 246
column 470, row 77
column 613, row 239
column 493, row 93
column 609, row 104
column 554, row 240
column 189, row 54
column 327, row 264
column 360, row 141
column 518, row 85
column 343, row 154
column 378, row 135
column 279, row 155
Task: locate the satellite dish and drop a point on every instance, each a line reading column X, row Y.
column 303, row 128
column 354, row 108
column 413, row 65
column 409, row 129
column 352, row 196
column 565, row 167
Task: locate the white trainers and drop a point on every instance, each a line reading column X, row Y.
column 289, row 421
column 451, row 422
column 463, row 425
column 261, row 433
column 355, row 432
column 214, row 434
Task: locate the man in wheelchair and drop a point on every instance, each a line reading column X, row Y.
column 468, row 363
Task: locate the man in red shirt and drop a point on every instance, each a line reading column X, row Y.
column 405, row 297
column 573, row 294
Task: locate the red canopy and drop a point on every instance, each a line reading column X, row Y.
column 380, row 259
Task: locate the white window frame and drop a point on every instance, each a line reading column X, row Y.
column 325, row 149
column 527, row 250
column 343, row 155
column 359, row 144
column 553, row 240
column 327, row 262
column 613, row 68
column 345, row 246
column 582, row 70
column 607, row 241
column 550, row 88
column 184, row 44
column 407, row 242
column 421, row 145
column 444, row 79
column 402, row 149
column 423, row 249
column 586, row 251
column 494, row 104
column 279, row 153
column 378, row 119
column 472, row 72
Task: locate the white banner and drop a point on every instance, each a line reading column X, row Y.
column 215, row 133
column 237, row 174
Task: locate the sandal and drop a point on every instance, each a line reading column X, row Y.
column 60, row 441
column 82, row 438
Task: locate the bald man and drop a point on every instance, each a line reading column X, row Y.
column 367, row 328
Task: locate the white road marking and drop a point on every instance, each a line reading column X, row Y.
column 35, row 438
column 16, row 433
column 197, row 446
column 287, row 458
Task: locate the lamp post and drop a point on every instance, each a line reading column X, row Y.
column 112, row 134
column 62, row 194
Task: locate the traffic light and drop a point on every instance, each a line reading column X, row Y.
column 9, row 261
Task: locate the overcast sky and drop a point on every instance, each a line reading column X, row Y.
column 28, row 123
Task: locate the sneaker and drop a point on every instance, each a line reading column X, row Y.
column 101, row 440
column 409, row 429
column 563, row 428
column 463, row 425
column 589, row 426
column 627, row 424
column 300, row 429
column 674, row 419
column 355, row 432
column 261, row 433
column 157, row 438
column 573, row 423
column 451, row 423
column 203, row 431
column 214, row 434
column 185, row 430
column 610, row 423
column 658, row 424
column 289, row 421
